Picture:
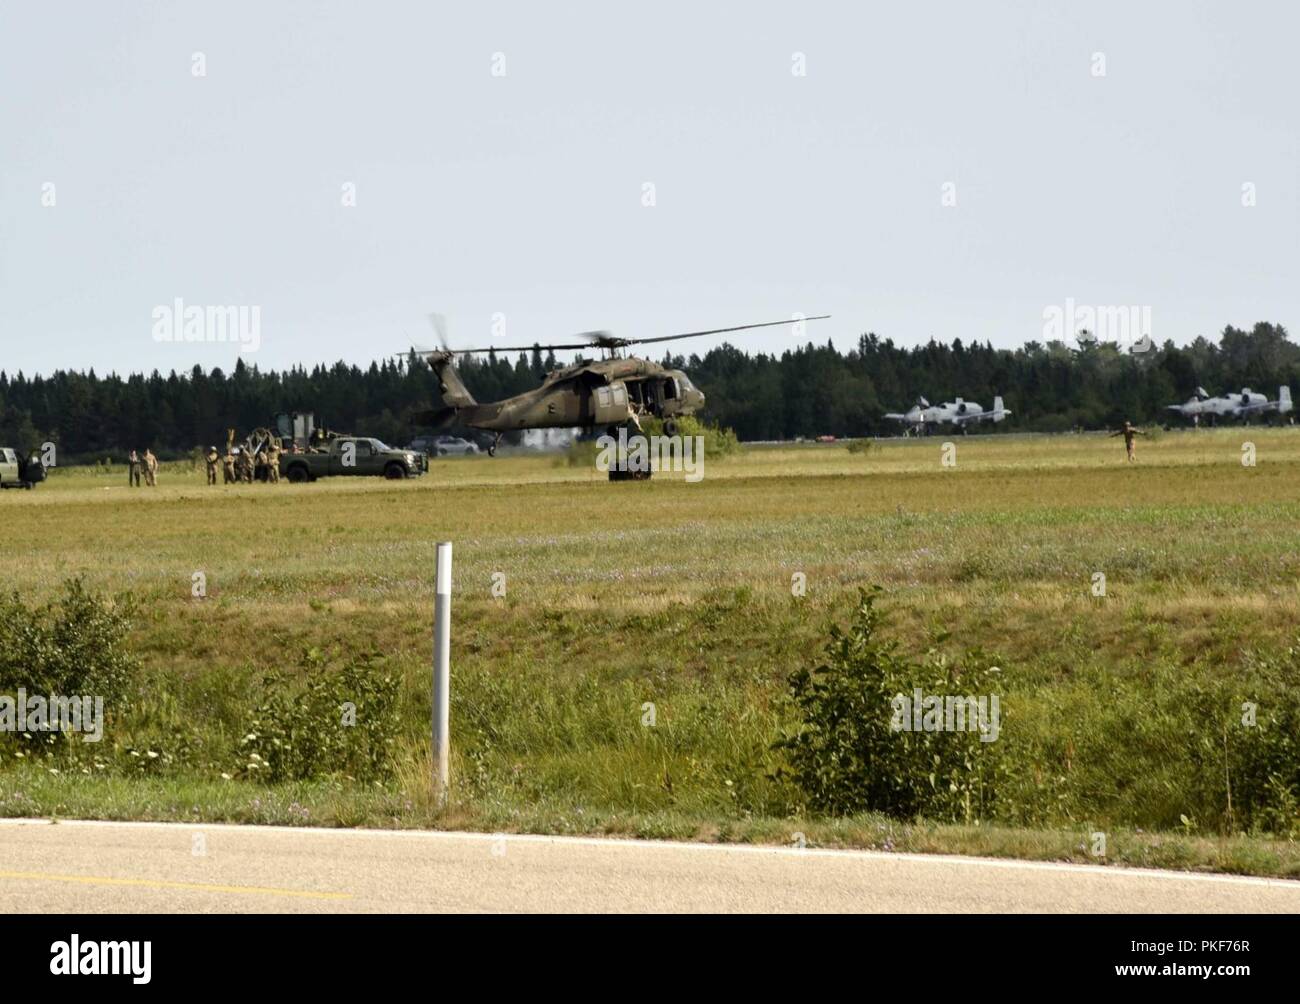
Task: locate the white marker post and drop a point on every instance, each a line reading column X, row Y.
column 442, row 675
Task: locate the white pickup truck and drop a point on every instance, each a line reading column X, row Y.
column 16, row 472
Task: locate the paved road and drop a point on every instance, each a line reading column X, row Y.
column 90, row 867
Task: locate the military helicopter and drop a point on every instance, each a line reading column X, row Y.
column 610, row 392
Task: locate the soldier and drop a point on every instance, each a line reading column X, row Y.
column 273, row 462
column 1130, row 442
column 150, row 468
column 133, row 465
column 228, row 467
column 247, row 470
column 213, row 458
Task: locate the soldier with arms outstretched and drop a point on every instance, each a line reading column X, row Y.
column 1129, row 432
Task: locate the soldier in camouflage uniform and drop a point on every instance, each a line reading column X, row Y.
column 1130, row 442
column 228, row 467
column 150, row 468
column 134, row 464
column 212, row 458
column 273, row 462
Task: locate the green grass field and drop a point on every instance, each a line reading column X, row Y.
column 679, row 595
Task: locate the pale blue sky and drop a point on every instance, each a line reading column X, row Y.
column 522, row 194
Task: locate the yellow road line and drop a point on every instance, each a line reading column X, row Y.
column 156, row 884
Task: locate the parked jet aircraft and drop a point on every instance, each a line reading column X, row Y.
column 1193, row 407
column 958, row 412
column 1243, row 406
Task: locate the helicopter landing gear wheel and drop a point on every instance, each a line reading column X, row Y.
column 670, row 427
column 492, row 450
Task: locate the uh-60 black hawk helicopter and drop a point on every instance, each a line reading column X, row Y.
column 613, row 391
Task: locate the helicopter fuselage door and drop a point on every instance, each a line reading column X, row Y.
column 609, row 404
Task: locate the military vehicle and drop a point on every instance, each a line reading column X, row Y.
column 352, row 456
column 19, row 472
column 591, row 394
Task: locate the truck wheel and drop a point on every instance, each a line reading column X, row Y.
column 394, row 472
column 298, row 474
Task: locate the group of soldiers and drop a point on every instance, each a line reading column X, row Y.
column 240, row 465
column 146, row 465
column 244, row 464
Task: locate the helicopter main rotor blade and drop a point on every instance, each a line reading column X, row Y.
column 519, row 348
column 717, row 331
column 602, row 340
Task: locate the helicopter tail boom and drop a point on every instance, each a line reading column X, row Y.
column 454, row 392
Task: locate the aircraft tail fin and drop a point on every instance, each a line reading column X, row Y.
column 454, row 391
column 999, row 412
column 1284, row 400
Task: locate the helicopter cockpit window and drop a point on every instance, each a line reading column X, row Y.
column 670, row 388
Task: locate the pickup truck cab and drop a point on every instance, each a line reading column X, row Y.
column 15, row 472
column 352, row 456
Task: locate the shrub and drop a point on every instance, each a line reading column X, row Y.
column 846, row 755
column 341, row 723
column 718, row 442
column 74, row 645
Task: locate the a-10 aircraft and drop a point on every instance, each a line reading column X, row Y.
column 1243, row 406
column 959, row 412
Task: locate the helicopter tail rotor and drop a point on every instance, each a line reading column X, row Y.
column 439, row 322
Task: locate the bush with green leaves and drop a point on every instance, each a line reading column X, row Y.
column 845, row 753
column 74, row 645
column 718, row 441
column 323, row 723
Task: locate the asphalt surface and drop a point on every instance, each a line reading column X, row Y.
column 90, row 867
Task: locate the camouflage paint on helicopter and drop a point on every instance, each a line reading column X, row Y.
column 589, row 394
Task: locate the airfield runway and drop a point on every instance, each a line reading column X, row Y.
column 91, row 867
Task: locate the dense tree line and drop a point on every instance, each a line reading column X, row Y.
column 807, row 391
